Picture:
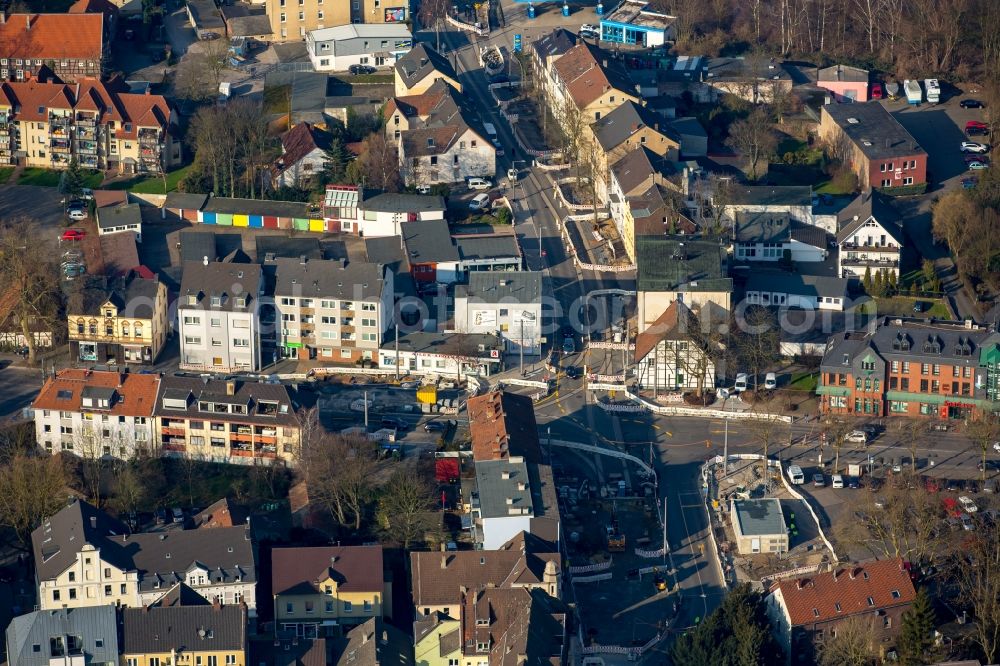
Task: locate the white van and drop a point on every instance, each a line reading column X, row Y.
column 479, row 184
column 838, row 481
column 771, row 381
column 795, row 475
column 741, row 383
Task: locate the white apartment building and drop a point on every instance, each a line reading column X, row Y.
column 505, row 303
column 218, row 316
column 332, row 310
column 95, row 414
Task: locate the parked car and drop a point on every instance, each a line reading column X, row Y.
column 977, row 165
column 73, row 271
column 853, row 483
column 479, row 184
column 976, row 131
column 361, row 69
column 479, row 202
column 572, row 372
column 857, row 437
column 423, row 189
column 977, row 124
column 589, row 34
column 589, row 27
column 819, row 480
column 972, row 104
column 919, row 306
column 393, row 424
column 73, row 235
column 968, row 504
column 435, row 426
column 837, row 481
column 741, row 383
column 970, row 182
column 178, row 514
column 76, row 214
column 161, row 516
column 967, row 523
column 974, row 147
column 569, row 346
column 996, row 446
column 497, row 147
column 770, row 381
column 414, row 384
column 977, row 158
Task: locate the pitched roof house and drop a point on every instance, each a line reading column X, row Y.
column 303, row 155
column 808, row 610
column 419, row 68
column 73, row 45
column 594, row 84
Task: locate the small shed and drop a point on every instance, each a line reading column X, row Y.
column 759, row 525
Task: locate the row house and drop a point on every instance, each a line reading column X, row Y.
column 96, row 414
column 102, row 124
column 70, row 46
column 123, row 322
column 440, row 138
column 911, row 367
column 84, row 557
column 319, row 590
column 231, row 421
column 219, row 317
column 878, row 149
column 870, row 238
column 337, row 311
column 584, row 79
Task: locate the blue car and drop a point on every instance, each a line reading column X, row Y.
column 968, row 183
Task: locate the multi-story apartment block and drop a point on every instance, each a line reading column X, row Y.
column 72, row 46
column 504, row 303
column 206, row 634
column 123, row 323
column 319, row 590
column 332, row 310
column 218, row 316
column 84, row 557
column 238, row 422
column 100, row 123
column 96, row 414
column 291, row 20
column 909, row 367
column 41, row 638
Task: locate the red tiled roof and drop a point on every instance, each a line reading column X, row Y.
column 301, row 140
column 646, row 341
column 35, row 99
column 355, row 568
column 110, row 100
column 53, row 36
column 848, row 588
column 585, row 78
column 501, row 425
column 105, row 7
column 136, row 393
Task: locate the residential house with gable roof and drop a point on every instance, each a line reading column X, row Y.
column 319, row 590
column 43, row 637
column 912, row 368
column 122, row 321
column 416, row 71
column 672, row 269
column 671, row 354
column 210, row 634
column 96, row 414
column 870, row 237
column 440, row 137
column 72, row 45
column 591, row 82
column 807, row 611
column 84, row 557
column 303, row 156
column 102, row 124
column 545, row 50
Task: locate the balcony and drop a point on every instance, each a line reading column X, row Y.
column 269, row 455
column 179, row 448
column 84, row 121
column 169, row 431
column 243, row 437
column 241, row 453
column 888, row 247
column 874, row 263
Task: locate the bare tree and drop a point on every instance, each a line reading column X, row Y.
column 984, row 431
column 754, row 139
column 34, row 488
column 836, row 434
column 432, row 14
column 378, row 164
column 853, row 643
column 29, row 277
column 403, row 505
column 340, row 473
column 199, row 72
column 767, row 431
column 977, row 570
column 757, row 340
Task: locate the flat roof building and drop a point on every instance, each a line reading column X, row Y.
column 759, row 525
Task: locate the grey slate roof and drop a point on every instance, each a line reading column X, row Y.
column 220, row 279
column 386, row 250
column 226, row 552
column 119, row 216
column 729, row 69
column 865, row 207
column 760, row 517
column 495, row 490
column 771, row 195
column 494, row 246
column 636, row 167
column 132, row 295
column 503, row 286
column 92, row 624
column 688, row 126
column 205, row 14
column 183, row 200
column 876, row 133
column 317, row 278
column 372, row 643
column 55, row 542
column 227, row 205
column 421, row 61
column 428, row 242
column 554, row 43
column 842, row 73
column 162, row 629
column 195, row 245
column 665, row 264
column 246, row 393
column 445, row 343
column 403, row 203
column 613, row 129
column 249, row 26
column 776, row 281
column 283, row 246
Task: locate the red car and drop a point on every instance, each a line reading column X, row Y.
column 977, row 124
column 73, row 235
column 876, row 90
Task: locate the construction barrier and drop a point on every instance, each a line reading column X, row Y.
column 592, row 579
column 588, row 568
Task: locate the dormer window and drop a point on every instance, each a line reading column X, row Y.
column 192, row 299
column 241, row 301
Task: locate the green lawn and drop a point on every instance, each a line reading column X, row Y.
column 5, row 174
column 151, row 184
column 276, row 99
column 830, row 187
column 804, row 381
column 369, row 78
column 903, row 307
column 51, row 178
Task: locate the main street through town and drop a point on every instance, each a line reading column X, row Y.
column 676, row 446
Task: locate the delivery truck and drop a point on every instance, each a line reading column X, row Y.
column 914, row 95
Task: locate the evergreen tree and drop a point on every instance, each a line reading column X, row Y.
column 893, row 286
column 337, row 158
column 735, row 634
column 916, row 637
column 878, row 289
column 866, row 281
column 72, row 182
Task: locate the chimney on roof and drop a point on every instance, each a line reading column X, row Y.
column 835, row 573
column 798, row 584
column 333, row 559
column 604, row 62
column 444, row 561
column 27, row 21
column 302, row 259
column 853, row 573
column 216, row 606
